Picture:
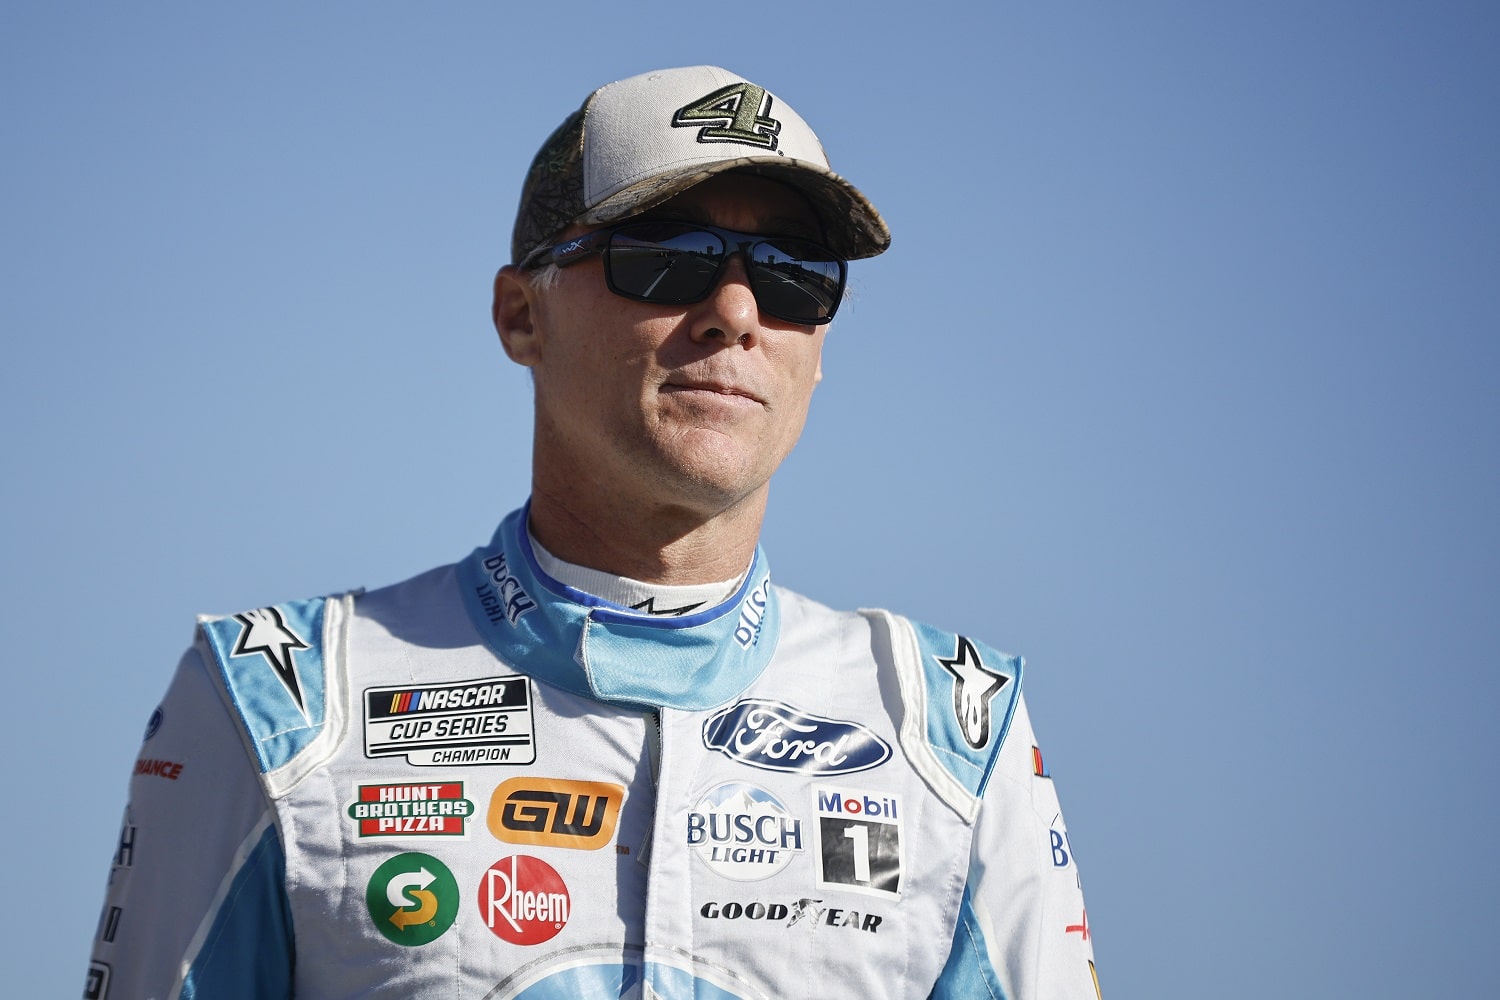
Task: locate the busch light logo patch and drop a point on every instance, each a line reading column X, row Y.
column 743, row 832
column 474, row 722
column 857, row 840
column 776, row 737
column 1062, row 850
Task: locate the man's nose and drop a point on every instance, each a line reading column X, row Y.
column 730, row 312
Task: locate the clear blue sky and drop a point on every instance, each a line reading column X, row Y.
column 1182, row 378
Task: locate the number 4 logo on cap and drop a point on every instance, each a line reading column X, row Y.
column 740, row 112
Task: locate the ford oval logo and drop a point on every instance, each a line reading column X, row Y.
column 777, row 737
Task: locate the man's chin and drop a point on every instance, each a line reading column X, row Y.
column 710, row 478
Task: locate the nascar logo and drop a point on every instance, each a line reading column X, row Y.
column 476, row 722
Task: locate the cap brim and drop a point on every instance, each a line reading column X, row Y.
column 852, row 228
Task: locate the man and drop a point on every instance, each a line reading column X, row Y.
column 603, row 756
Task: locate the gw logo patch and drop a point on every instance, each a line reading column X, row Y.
column 740, row 112
column 555, row 812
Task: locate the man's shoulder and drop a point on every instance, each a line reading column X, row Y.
column 803, row 606
column 937, row 645
column 276, row 666
column 960, row 694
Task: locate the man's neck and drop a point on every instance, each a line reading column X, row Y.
column 656, row 544
column 648, row 598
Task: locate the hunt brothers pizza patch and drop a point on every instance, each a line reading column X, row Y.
column 429, row 809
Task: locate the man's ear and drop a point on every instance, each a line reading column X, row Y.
column 515, row 314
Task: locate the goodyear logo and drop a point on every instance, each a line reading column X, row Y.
column 555, row 812
column 411, row 809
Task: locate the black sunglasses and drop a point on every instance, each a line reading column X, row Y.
column 675, row 263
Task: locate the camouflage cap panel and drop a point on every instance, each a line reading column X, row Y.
column 552, row 196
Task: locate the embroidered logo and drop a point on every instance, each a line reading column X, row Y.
column 1062, row 849
column 524, row 900
column 810, row 913
column 410, row 809
column 501, row 595
column 753, row 614
column 412, row 899
column 96, row 986
column 740, row 112
column 743, row 832
column 776, row 737
column 264, row 631
column 974, row 685
column 857, row 840
column 1037, row 767
column 648, row 607
column 153, row 725
column 485, row 721
column 555, row 812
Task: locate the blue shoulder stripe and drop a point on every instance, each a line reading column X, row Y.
column 969, row 972
column 247, row 953
column 271, row 662
column 972, row 692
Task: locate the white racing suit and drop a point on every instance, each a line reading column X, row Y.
column 483, row 783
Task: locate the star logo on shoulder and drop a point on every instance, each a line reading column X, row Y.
column 974, row 685
column 264, row 631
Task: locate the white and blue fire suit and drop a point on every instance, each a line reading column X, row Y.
column 484, row 783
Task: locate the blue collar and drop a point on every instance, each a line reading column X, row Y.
column 592, row 647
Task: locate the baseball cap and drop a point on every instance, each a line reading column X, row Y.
column 636, row 143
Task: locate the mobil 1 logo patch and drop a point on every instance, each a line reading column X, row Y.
column 486, row 721
column 857, row 840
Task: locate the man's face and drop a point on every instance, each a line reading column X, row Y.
column 687, row 406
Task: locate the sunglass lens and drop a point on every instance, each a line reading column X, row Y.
column 798, row 281
column 663, row 262
column 675, row 262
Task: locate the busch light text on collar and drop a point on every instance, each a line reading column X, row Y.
column 752, row 614
column 777, row 737
column 502, row 595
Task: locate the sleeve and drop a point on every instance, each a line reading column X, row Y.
column 1022, row 931
column 196, row 903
